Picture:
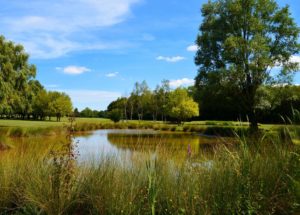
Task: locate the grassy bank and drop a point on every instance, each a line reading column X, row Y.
column 22, row 128
column 255, row 177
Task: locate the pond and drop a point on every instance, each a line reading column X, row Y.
column 125, row 144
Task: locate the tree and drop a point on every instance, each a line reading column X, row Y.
column 141, row 96
column 243, row 39
column 41, row 105
column 20, row 94
column 102, row 114
column 218, row 99
column 76, row 112
column 87, row 113
column 15, row 73
column 181, row 105
column 121, row 105
column 59, row 104
column 278, row 102
column 161, row 96
column 115, row 115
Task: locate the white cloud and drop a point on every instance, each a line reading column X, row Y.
column 112, row 74
column 181, row 82
column 74, row 70
column 295, row 59
column 50, row 29
column 148, row 37
column 51, row 86
column 170, row 59
column 95, row 99
column 192, row 48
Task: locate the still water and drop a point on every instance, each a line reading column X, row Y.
column 123, row 143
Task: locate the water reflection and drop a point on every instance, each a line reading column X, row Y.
column 122, row 143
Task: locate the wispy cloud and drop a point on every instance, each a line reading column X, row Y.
column 192, row 48
column 148, row 37
column 73, row 70
column 51, row 86
column 181, row 82
column 86, row 98
column 293, row 59
column 170, row 59
column 50, row 29
column 111, row 74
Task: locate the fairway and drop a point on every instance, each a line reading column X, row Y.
column 47, row 123
column 86, row 122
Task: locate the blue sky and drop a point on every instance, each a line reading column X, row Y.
column 95, row 50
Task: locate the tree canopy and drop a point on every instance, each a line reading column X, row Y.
column 239, row 42
column 21, row 95
column 161, row 103
column 181, row 105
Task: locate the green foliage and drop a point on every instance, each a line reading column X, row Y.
column 260, row 178
column 89, row 113
column 20, row 94
column 272, row 103
column 59, row 104
column 115, row 115
column 182, row 106
column 15, row 77
column 278, row 102
column 161, row 103
column 238, row 42
column 51, row 104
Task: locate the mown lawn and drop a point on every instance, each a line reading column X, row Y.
column 18, row 128
column 47, row 123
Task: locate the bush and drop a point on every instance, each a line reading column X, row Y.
column 115, row 115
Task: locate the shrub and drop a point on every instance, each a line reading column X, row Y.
column 115, row 115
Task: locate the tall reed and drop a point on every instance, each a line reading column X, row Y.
column 257, row 176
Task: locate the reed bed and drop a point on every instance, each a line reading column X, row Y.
column 257, row 176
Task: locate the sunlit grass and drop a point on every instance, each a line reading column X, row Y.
column 24, row 128
column 257, row 176
column 47, row 123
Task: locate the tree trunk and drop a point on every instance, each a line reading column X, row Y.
column 131, row 112
column 253, row 120
column 125, row 111
column 250, row 101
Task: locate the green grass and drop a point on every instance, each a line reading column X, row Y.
column 19, row 128
column 47, row 123
column 258, row 176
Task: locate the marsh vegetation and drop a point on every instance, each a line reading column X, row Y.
column 145, row 172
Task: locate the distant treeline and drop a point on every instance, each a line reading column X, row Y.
column 21, row 96
column 274, row 104
column 162, row 104
column 89, row 113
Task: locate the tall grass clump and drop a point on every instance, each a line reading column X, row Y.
column 258, row 175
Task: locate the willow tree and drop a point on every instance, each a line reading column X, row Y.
column 15, row 74
column 241, row 41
